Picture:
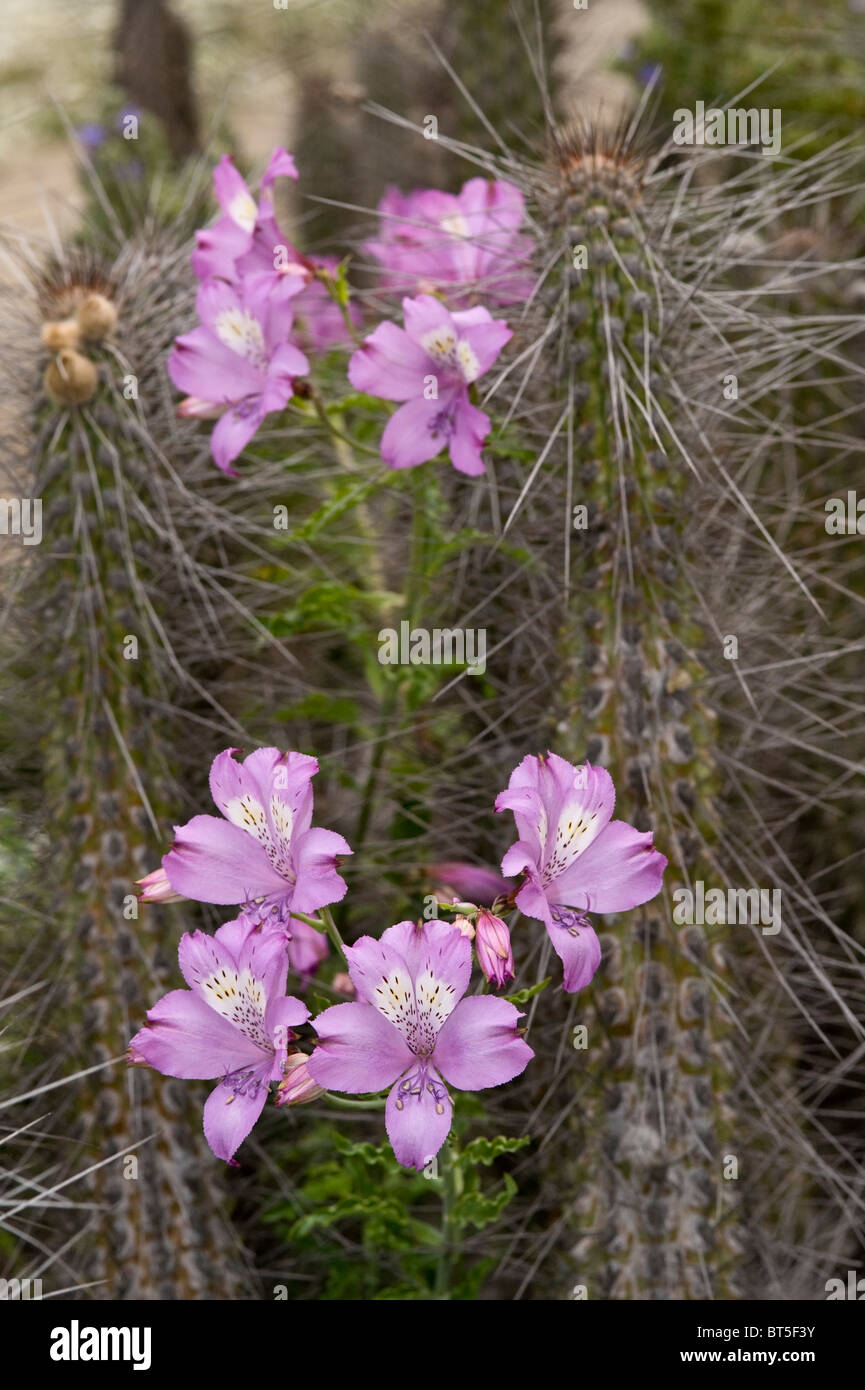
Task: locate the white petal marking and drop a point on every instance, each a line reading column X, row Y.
column 239, row 998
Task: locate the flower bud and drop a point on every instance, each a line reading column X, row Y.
column 344, row 984
column 157, row 889
column 71, row 379
column 60, row 333
column 96, row 317
column 493, row 948
column 297, row 1086
column 466, row 927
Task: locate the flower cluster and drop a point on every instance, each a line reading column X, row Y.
column 264, row 306
column 411, row 1028
column 261, row 307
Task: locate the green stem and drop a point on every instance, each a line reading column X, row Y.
column 443, row 1269
column 377, row 1104
column 310, row 921
column 333, row 932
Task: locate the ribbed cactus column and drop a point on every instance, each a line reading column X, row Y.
column 100, row 585
column 654, row 1211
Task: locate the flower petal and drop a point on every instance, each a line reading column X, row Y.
column 579, row 950
column 202, row 366
column 409, row 438
column 486, row 340
column 358, row 1050
column 417, row 1117
column 184, row 1037
column 214, row 862
column 230, row 1112
column 620, row 869
column 280, row 165
column 307, row 948
column 479, row 1045
column 233, row 432
column 233, row 195
column 389, row 364
column 471, row 427
column 318, row 883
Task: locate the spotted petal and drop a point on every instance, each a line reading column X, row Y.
column 418, row 1117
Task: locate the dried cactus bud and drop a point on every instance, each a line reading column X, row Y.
column 60, row 333
column 96, row 317
column 71, row 379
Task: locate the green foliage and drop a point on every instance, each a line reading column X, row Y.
column 807, row 62
column 398, row 1234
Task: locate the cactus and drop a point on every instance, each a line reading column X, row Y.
column 123, row 618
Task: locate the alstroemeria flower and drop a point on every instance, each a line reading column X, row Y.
column 574, row 857
column 233, row 1022
column 430, row 365
column 248, row 240
column 263, row 852
column 240, row 359
column 460, row 244
column 217, row 248
column 413, row 1031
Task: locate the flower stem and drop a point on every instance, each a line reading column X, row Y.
column 310, row 921
column 443, row 1270
column 333, row 932
column 377, row 1104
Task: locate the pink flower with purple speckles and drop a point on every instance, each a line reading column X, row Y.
column 234, row 1021
column 430, row 365
column 263, row 851
column 575, row 859
column 413, row 1031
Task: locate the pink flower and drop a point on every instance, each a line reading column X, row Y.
column 460, row 244
column 240, row 359
column 413, row 1031
column 233, row 1022
column 430, row 365
column 493, row 948
column 262, row 851
column 248, row 241
column 574, row 857
column 218, row 248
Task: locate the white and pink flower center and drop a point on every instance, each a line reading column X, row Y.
column 243, row 211
column 455, row 225
column 418, row 1010
column 576, row 828
column 250, row 815
column 452, row 352
column 241, row 331
column 239, row 997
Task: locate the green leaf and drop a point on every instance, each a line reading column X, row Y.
column 370, row 1153
column 523, row 996
column 478, row 1209
column 483, row 1150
